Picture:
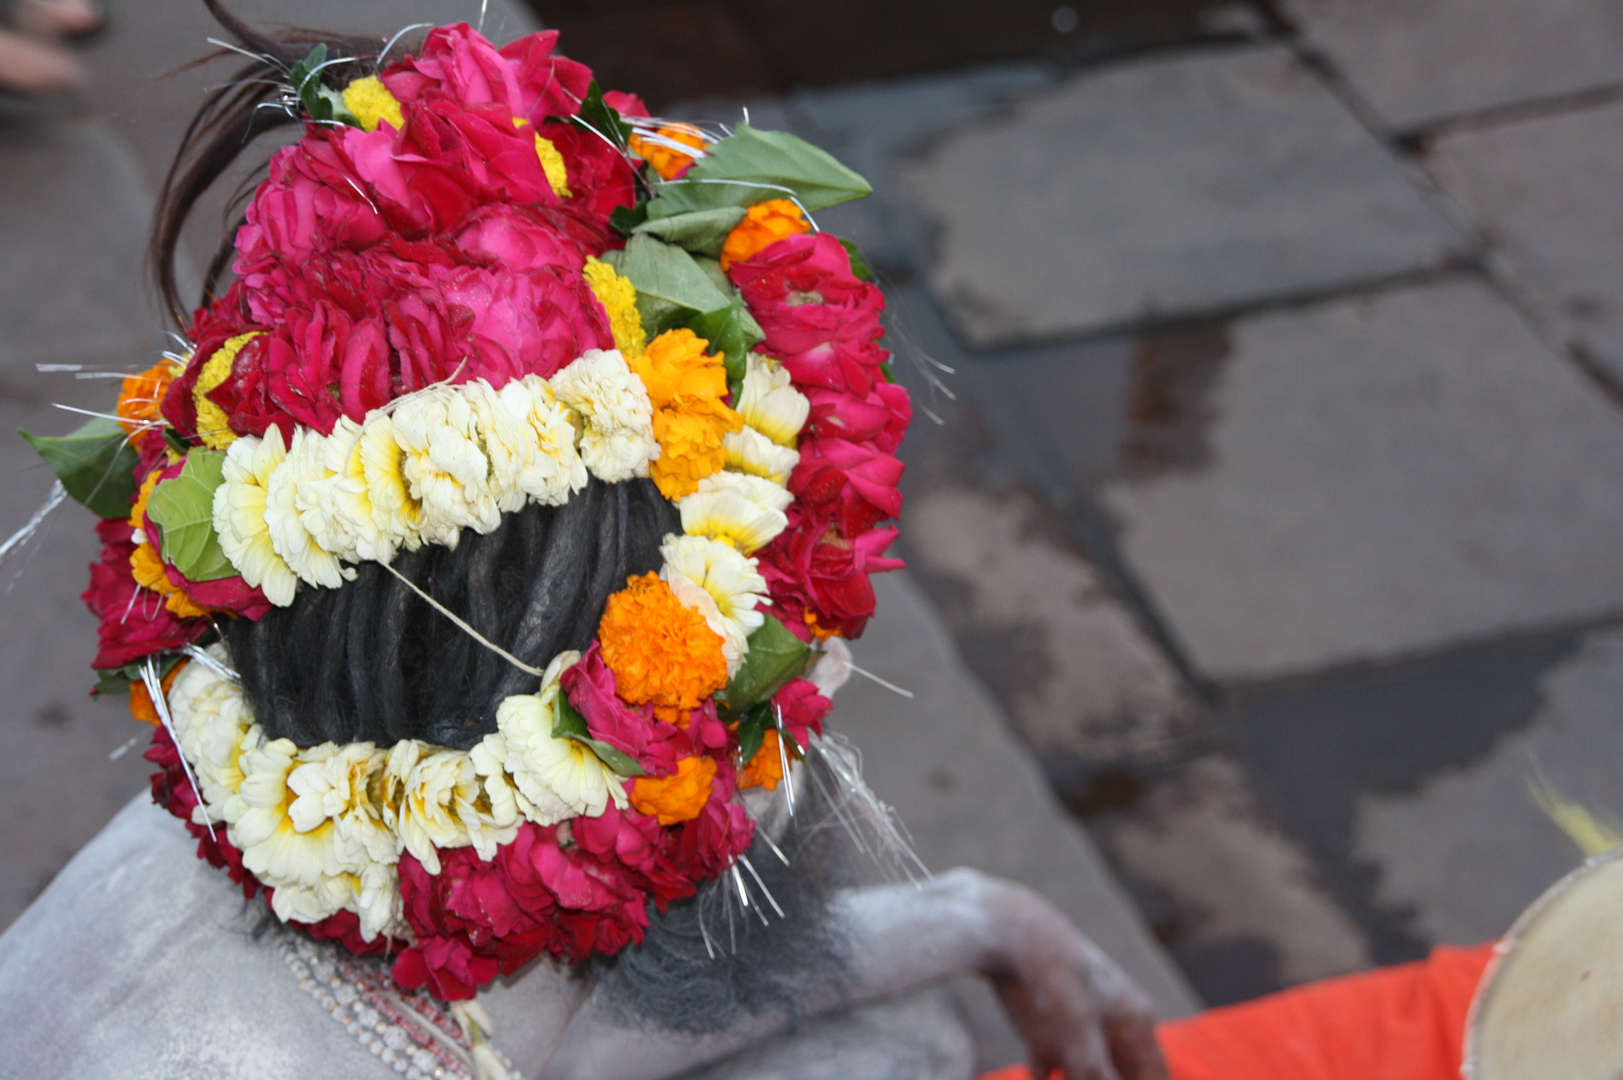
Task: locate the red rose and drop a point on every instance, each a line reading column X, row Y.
column 708, row 845
column 811, row 568
column 818, row 317
column 879, row 419
column 134, row 621
column 802, row 709
column 854, row 484
column 448, row 966
column 461, row 63
column 600, row 177
column 172, row 789
column 625, row 104
column 549, row 85
column 312, row 200
column 652, row 744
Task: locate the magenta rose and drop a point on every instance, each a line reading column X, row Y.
column 311, row 201
column 653, row 744
column 812, row 569
column 853, row 484
column 880, row 419
column 802, row 709
column 818, row 317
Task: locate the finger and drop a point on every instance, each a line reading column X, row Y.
column 1088, row 1057
column 1133, row 1047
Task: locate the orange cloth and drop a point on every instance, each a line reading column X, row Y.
column 1397, row 1023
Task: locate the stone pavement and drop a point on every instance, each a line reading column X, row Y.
column 1277, row 492
column 75, row 193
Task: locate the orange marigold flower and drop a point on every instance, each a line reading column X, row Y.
column 146, row 565
column 141, row 706
column 667, row 160
column 765, row 769
column 765, row 224
column 687, row 388
column 141, row 396
column 661, row 651
column 678, row 797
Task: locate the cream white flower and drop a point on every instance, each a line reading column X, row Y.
column 510, row 444
column 557, row 471
column 239, row 515
column 293, row 901
column 378, row 464
column 304, row 466
column 331, row 784
column 558, row 778
column 434, row 798
column 444, row 464
column 769, row 401
column 378, row 902
column 744, row 511
column 213, row 727
column 751, row 452
column 714, row 579
column 260, row 825
column 617, row 442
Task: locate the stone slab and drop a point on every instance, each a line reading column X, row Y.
column 1545, row 191
column 1421, row 61
column 970, row 795
column 1164, row 188
column 73, row 210
column 1471, row 848
column 1065, row 656
column 1387, row 475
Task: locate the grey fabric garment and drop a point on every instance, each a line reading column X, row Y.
column 139, row 961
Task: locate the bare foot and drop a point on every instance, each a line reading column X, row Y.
column 31, row 66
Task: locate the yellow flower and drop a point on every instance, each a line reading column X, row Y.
column 370, row 102
column 764, row 224
column 552, row 163
column 239, row 515
column 617, row 442
column 744, row 511
column 713, row 579
column 378, row 460
column 259, row 823
column 619, row 299
column 303, row 469
column 686, row 387
column 749, row 451
column 769, row 402
column 679, row 797
column 213, row 427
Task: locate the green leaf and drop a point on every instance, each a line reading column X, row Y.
column 118, row 680
column 95, row 463
column 753, row 166
column 669, row 283
column 625, row 219
column 775, row 656
column 600, row 118
column 752, row 730
column 732, row 331
column 182, row 508
column 712, row 270
column 568, row 723
column 859, row 265
column 320, row 101
column 702, row 231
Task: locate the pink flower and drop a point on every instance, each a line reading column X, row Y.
column 812, row 569
column 854, row 484
column 802, row 709
column 879, row 419
column 461, row 63
column 818, row 317
column 526, row 239
column 134, row 621
column 447, row 966
column 652, row 744
column 600, row 178
column 311, row 201
column 549, row 85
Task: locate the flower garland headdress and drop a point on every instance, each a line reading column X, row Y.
column 476, row 282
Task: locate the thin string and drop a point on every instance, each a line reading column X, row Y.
column 470, row 631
